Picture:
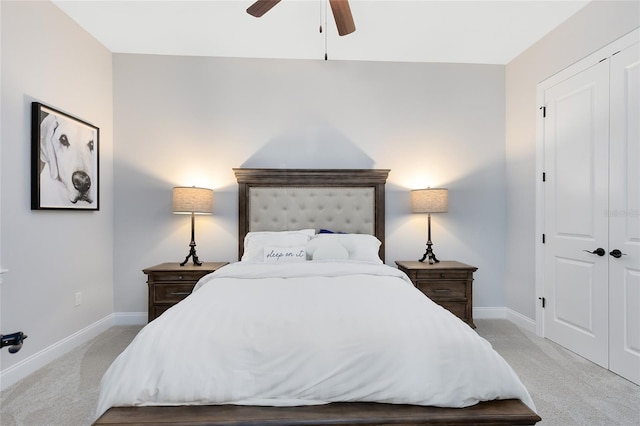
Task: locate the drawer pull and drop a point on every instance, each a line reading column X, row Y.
column 442, row 290
column 442, row 275
column 181, row 293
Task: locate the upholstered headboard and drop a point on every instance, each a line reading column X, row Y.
column 342, row 200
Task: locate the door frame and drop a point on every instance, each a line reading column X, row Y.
column 590, row 60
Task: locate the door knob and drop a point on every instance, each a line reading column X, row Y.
column 599, row 251
column 617, row 253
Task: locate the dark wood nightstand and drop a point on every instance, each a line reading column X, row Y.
column 169, row 283
column 448, row 283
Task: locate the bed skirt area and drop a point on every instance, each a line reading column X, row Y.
column 499, row 412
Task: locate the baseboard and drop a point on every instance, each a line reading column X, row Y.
column 521, row 321
column 518, row 319
column 38, row 360
column 130, row 318
column 140, row 318
column 489, row 313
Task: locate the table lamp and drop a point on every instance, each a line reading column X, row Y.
column 192, row 200
column 429, row 200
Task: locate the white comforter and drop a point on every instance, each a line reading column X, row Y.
column 307, row 333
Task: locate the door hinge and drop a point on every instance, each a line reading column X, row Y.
column 543, row 301
column 544, row 111
column 543, row 238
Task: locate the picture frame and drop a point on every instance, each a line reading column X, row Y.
column 65, row 166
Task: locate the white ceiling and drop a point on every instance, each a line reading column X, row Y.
column 476, row 31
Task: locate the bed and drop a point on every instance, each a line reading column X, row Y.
column 310, row 328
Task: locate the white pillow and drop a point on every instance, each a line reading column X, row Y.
column 255, row 242
column 284, row 254
column 361, row 247
column 326, row 249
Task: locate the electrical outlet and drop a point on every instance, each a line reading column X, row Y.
column 78, row 298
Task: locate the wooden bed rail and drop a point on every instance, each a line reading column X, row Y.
column 499, row 412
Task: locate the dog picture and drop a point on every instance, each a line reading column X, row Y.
column 67, row 161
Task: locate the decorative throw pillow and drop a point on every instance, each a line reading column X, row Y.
column 320, row 249
column 329, row 231
column 284, row 254
column 255, row 242
column 362, row 247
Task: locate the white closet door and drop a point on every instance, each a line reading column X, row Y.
column 576, row 191
column 624, row 215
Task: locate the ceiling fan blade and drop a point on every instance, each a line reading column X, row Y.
column 261, row 7
column 342, row 15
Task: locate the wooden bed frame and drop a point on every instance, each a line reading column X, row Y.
column 499, row 412
column 282, row 179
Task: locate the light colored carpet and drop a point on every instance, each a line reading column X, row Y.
column 567, row 389
column 65, row 392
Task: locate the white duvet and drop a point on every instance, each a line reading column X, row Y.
column 307, row 333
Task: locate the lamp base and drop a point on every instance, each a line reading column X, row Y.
column 192, row 244
column 429, row 254
column 192, row 254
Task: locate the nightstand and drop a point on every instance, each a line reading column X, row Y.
column 448, row 283
column 169, row 283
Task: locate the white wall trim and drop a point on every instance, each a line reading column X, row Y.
column 489, row 313
column 521, row 321
column 539, row 221
column 38, row 360
column 130, row 318
column 517, row 318
column 140, row 318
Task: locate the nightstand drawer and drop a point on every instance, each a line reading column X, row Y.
column 171, row 293
column 448, row 283
column 443, row 275
column 439, row 289
column 159, row 309
column 459, row 309
column 175, row 276
column 170, row 282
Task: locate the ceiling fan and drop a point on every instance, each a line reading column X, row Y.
column 340, row 8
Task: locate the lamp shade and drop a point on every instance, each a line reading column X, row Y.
column 430, row 200
column 190, row 199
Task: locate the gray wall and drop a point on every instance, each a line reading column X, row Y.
column 190, row 120
column 593, row 27
column 51, row 255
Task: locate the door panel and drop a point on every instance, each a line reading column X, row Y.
column 573, row 291
column 574, row 154
column 624, row 214
column 576, row 194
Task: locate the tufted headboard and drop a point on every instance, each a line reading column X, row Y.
column 344, row 200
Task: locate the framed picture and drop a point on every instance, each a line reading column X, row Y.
column 64, row 161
